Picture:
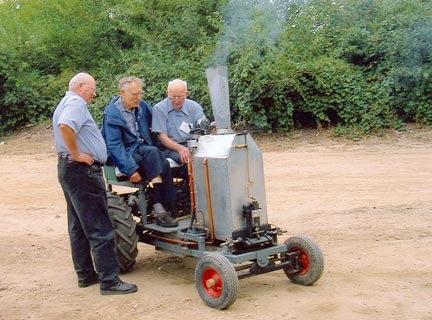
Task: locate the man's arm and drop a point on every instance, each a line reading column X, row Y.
column 168, row 143
column 69, row 138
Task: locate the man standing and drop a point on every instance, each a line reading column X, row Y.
column 174, row 118
column 82, row 153
column 126, row 129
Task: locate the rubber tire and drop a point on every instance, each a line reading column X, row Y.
column 311, row 259
column 126, row 238
column 216, row 267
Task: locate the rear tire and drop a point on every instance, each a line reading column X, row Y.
column 126, row 238
column 311, row 260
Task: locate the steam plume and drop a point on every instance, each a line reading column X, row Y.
column 255, row 23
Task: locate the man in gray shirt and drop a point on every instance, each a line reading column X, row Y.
column 81, row 154
column 174, row 118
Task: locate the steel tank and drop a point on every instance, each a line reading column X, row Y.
column 228, row 169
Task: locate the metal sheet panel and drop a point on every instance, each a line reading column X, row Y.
column 217, row 79
column 235, row 176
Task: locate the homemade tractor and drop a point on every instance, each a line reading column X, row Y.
column 222, row 213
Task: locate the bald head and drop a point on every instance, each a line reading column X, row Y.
column 177, row 84
column 81, row 77
column 177, row 93
column 83, row 85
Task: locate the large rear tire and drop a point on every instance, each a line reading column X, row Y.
column 311, row 260
column 126, row 238
column 216, row 281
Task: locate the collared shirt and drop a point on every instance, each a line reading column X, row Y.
column 73, row 112
column 129, row 117
column 176, row 124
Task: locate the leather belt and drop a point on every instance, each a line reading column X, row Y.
column 70, row 158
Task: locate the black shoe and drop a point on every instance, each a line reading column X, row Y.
column 165, row 220
column 87, row 282
column 173, row 211
column 120, row 288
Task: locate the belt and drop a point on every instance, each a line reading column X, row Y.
column 70, row 158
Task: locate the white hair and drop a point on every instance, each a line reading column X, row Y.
column 170, row 83
column 81, row 77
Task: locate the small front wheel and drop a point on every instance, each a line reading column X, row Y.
column 310, row 262
column 216, row 281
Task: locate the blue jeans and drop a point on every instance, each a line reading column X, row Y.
column 90, row 229
column 168, row 153
column 152, row 163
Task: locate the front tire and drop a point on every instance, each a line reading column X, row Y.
column 216, row 281
column 311, row 260
column 126, row 238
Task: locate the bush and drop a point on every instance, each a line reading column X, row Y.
column 357, row 65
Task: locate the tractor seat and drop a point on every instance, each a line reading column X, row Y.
column 173, row 164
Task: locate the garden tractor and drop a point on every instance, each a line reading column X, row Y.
column 221, row 213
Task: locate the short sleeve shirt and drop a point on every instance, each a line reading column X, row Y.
column 176, row 124
column 73, row 112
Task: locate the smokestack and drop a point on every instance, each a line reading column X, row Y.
column 217, row 79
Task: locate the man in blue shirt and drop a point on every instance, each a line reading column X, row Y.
column 174, row 118
column 82, row 153
column 126, row 128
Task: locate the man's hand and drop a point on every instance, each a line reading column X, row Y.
column 184, row 154
column 135, row 177
column 69, row 138
column 84, row 158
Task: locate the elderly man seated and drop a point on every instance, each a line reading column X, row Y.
column 126, row 129
column 175, row 119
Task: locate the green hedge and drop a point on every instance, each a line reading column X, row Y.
column 359, row 66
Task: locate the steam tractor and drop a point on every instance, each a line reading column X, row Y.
column 222, row 213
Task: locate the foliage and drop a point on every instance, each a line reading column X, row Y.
column 358, row 65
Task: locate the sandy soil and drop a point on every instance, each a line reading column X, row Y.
column 367, row 204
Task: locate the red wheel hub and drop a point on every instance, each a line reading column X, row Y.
column 212, row 283
column 304, row 260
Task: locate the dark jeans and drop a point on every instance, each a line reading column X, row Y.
column 168, row 153
column 90, row 229
column 151, row 160
column 172, row 155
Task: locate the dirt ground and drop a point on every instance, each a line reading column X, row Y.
column 367, row 204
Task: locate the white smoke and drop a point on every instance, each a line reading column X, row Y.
column 255, row 23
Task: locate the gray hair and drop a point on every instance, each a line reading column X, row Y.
column 124, row 82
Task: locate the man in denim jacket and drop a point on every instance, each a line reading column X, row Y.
column 126, row 130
